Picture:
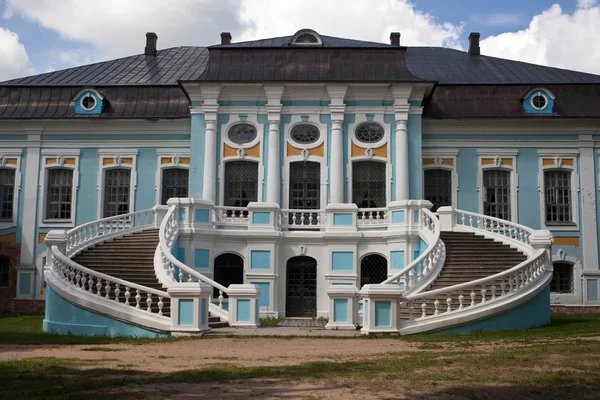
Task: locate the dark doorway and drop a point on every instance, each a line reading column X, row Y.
column 373, row 269
column 229, row 270
column 301, row 298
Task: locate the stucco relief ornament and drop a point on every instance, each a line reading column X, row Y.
column 303, row 249
column 241, row 153
column 305, row 154
column 118, row 160
column 2, row 161
column 558, row 161
column 369, row 153
column 60, row 161
column 561, row 254
column 498, row 161
column 175, row 160
column 438, row 161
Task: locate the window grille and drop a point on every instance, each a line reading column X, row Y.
column 369, row 184
column 557, row 189
column 306, row 38
column 369, row 132
column 373, row 269
column 229, row 270
column 496, row 194
column 7, row 193
column 4, row 266
column 242, row 133
column 562, row 278
column 305, row 190
column 241, row 183
column 304, row 134
column 116, row 192
column 60, row 192
column 174, row 183
column 438, row 187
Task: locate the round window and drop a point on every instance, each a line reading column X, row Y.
column 88, row 102
column 539, row 101
column 305, row 134
column 306, row 38
column 242, row 133
column 369, row 133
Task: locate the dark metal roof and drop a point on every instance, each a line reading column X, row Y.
column 482, row 101
column 123, row 102
column 284, row 41
column 454, row 67
column 167, row 68
column 309, row 64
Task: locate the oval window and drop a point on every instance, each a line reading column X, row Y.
column 305, row 134
column 242, row 133
column 369, row 133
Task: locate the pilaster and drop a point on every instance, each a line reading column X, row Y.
column 401, row 94
column 587, row 175
column 210, row 107
column 337, row 108
column 273, row 93
column 30, row 201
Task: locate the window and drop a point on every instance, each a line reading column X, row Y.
column 369, row 132
column 174, row 183
column 241, row 183
column 496, row 194
column 562, row 278
column 305, row 134
column 60, row 192
column 369, row 184
column 438, row 187
column 116, row 192
column 373, row 269
column 306, row 38
column 557, row 191
column 4, row 265
column 539, row 101
column 242, row 133
column 7, row 193
column 88, row 102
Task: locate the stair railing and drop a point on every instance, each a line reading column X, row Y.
column 86, row 235
column 170, row 270
column 425, row 267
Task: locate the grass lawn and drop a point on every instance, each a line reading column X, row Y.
column 554, row 362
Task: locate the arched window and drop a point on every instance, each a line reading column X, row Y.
column 241, row 183
column 496, row 193
column 369, row 184
column 373, row 269
column 305, row 134
column 438, row 187
column 60, row 192
column 369, row 132
column 228, row 270
column 242, row 133
column 117, row 184
column 562, row 278
column 174, row 183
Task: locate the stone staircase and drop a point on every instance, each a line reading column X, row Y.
column 131, row 258
column 469, row 257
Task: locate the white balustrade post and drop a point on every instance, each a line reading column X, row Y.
column 243, row 305
column 189, row 308
column 343, row 307
column 341, row 217
column 336, row 109
column 159, row 214
column 56, row 238
column 381, row 308
column 542, row 239
column 446, row 217
column 263, row 216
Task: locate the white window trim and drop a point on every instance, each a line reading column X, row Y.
column 43, row 195
column 13, row 153
column 498, row 155
column 440, row 154
column 175, row 155
column 251, row 119
column 558, row 156
column 116, row 154
column 285, row 173
column 378, row 119
column 568, row 298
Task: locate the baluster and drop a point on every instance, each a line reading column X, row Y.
column 472, row 297
column 411, row 278
column 470, row 220
column 502, row 287
column 318, row 218
column 180, row 275
column 160, row 305
column 462, row 219
column 461, row 298
column 294, row 219
column 127, row 295
column 99, row 287
column 149, row 302
column 117, row 292
column 493, row 291
column 424, row 310
column 478, row 222
column 77, row 278
column 107, row 290
column 220, row 299
column 411, row 310
column 71, row 275
column 138, row 297
column 310, row 218
column 449, row 303
column 302, row 219
column 91, row 284
column 483, row 292
column 436, row 304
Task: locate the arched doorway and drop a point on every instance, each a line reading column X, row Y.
column 229, row 270
column 373, row 269
column 301, row 288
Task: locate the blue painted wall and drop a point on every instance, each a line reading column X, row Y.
column 146, row 177
column 468, row 197
column 528, row 196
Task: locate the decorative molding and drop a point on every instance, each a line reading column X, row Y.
column 117, row 155
column 562, row 161
column 497, row 152
column 54, row 159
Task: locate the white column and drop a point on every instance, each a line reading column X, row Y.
column 402, row 182
column 274, row 176
column 210, row 160
column 588, row 203
column 30, row 199
column 336, row 178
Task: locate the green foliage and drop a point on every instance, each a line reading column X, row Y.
column 269, row 321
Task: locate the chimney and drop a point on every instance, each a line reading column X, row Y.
column 474, row 44
column 225, row 38
column 151, row 39
column 395, row 38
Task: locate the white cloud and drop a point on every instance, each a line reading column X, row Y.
column 586, row 3
column 14, row 61
column 554, row 38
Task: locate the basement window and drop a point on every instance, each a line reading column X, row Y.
column 562, row 278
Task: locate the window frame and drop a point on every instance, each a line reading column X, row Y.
column 578, row 289
column 385, row 180
column 258, row 186
column 558, row 161
column 116, row 159
column 11, row 159
column 446, row 160
column 504, row 160
column 52, row 160
column 169, row 159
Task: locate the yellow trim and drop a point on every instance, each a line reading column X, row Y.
column 569, row 162
column 127, row 160
column 490, row 161
column 41, row 237
column 547, row 162
column 108, row 161
column 293, row 151
column 9, row 237
column 550, row 162
column 11, row 161
column 318, row 151
column 358, row 151
column 445, row 161
column 507, row 161
column 253, row 151
column 50, row 161
column 184, row 160
column 69, row 161
column 229, row 151
column 165, row 160
column 566, row 241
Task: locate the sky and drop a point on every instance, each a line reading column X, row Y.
column 38, row 36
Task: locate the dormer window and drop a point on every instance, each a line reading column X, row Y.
column 306, row 37
column 538, row 101
column 88, row 102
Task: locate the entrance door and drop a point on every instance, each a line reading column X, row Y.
column 301, row 298
column 305, row 191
